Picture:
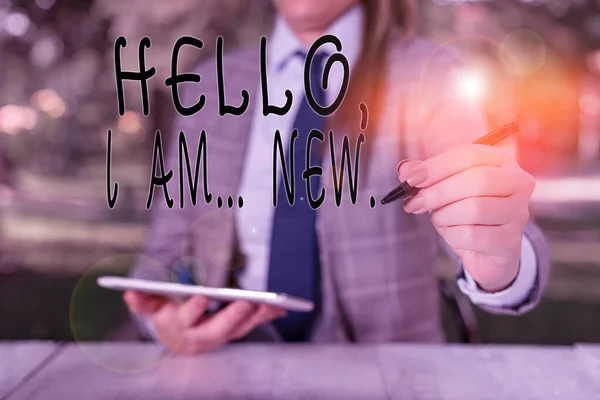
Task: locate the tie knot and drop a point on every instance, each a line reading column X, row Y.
column 315, row 71
column 317, row 59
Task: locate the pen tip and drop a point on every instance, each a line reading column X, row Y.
column 397, row 193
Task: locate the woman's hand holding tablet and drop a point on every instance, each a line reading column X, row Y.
column 186, row 326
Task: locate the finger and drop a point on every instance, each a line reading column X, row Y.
column 482, row 211
column 475, row 182
column 455, row 160
column 509, row 144
column 404, row 167
column 142, row 303
column 498, row 240
column 219, row 328
column 264, row 314
column 167, row 325
column 192, row 310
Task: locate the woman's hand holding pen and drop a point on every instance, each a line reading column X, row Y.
column 478, row 200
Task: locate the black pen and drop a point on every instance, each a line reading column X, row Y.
column 491, row 139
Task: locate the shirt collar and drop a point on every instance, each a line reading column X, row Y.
column 348, row 28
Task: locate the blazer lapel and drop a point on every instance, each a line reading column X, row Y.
column 227, row 140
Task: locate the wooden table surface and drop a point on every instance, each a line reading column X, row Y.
column 251, row 371
column 19, row 361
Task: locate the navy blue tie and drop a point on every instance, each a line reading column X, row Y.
column 294, row 260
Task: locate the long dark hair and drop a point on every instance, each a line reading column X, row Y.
column 384, row 19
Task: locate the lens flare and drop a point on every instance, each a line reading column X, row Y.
column 130, row 123
column 523, row 52
column 93, row 308
column 50, row 102
column 14, row 119
column 590, row 104
column 205, row 235
column 470, row 85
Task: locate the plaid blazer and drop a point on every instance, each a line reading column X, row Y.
column 378, row 278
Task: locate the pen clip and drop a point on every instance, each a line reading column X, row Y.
column 182, row 274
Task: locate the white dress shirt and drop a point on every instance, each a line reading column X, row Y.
column 254, row 220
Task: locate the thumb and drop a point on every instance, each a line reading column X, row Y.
column 142, row 303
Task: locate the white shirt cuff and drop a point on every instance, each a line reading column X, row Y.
column 516, row 293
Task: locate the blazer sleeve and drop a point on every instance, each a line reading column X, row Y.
column 170, row 228
column 443, row 119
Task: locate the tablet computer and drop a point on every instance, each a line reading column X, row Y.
column 282, row 300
